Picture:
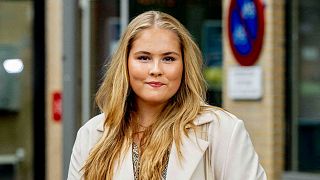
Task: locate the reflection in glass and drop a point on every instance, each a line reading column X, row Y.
column 309, row 86
column 13, row 66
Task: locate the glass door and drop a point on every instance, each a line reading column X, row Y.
column 304, row 103
column 105, row 33
column 16, row 90
column 309, row 86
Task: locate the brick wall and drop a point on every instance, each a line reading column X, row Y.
column 264, row 118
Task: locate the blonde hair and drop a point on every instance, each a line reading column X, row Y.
column 115, row 99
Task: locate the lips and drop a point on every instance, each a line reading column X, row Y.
column 155, row 84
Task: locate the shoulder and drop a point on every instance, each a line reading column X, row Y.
column 87, row 137
column 231, row 147
column 223, row 126
column 90, row 133
column 218, row 117
column 94, row 124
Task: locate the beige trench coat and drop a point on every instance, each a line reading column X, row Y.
column 229, row 146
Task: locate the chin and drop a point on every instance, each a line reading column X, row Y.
column 156, row 101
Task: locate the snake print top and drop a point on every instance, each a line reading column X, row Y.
column 136, row 163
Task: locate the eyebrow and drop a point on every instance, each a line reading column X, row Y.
column 166, row 53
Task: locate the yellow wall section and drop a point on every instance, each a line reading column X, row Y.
column 54, row 26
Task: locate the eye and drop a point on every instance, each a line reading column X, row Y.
column 169, row 59
column 143, row 58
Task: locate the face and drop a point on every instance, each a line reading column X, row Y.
column 155, row 65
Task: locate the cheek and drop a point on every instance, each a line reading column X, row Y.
column 135, row 71
column 175, row 76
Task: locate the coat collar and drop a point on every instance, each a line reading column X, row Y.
column 192, row 149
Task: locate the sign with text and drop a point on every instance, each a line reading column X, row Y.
column 245, row 83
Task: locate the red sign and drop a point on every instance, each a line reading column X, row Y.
column 246, row 30
column 57, row 106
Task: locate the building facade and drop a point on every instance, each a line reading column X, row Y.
column 64, row 46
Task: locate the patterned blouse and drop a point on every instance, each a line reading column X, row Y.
column 136, row 163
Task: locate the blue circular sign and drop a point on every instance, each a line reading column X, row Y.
column 246, row 30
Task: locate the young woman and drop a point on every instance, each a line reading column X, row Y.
column 155, row 122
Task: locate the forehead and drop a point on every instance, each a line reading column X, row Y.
column 156, row 39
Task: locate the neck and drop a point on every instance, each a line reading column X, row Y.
column 147, row 113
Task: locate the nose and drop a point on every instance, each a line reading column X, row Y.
column 155, row 69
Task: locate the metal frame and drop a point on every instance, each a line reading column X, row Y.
column 71, row 89
column 85, row 57
column 294, row 46
column 124, row 14
column 71, row 92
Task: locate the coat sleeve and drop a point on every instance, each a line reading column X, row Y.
column 241, row 161
column 76, row 161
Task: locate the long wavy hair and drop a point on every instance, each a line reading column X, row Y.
column 116, row 100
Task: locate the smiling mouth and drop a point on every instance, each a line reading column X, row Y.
column 155, row 84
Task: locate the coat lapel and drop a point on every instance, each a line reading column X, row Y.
column 125, row 170
column 192, row 150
